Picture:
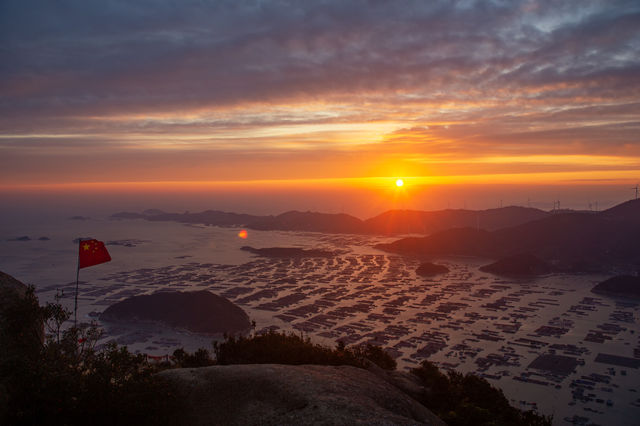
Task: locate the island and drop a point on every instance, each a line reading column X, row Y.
column 284, row 252
column 427, row 269
column 196, row 311
column 519, row 265
column 22, row 238
column 620, row 286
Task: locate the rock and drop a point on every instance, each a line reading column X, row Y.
column 525, row 265
column 271, row 394
column 197, row 311
column 15, row 298
column 7, row 282
column 620, row 286
column 428, row 269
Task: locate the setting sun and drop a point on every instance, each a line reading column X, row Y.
column 399, row 183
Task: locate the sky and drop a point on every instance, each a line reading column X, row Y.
column 254, row 96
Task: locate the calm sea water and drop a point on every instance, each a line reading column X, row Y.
column 468, row 320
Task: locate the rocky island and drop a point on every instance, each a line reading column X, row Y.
column 519, row 265
column 276, row 252
column 196, row 311
column 427, row 269
column 620, row 286
column 293, row 394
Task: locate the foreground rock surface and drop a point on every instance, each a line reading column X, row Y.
column 287, row 252
column 270, row 394
column 197, row 311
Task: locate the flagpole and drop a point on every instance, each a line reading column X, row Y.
column 75, row 309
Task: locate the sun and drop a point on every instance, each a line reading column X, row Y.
column 399, row 183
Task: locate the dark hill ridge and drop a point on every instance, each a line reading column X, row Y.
column 426, row 222
column 590, row 240
column 311, row 222
column 391, row 222
column 197, row 311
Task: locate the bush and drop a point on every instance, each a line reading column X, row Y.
column 289, row 348
column 65, row 380
column 469, row 400
column 200, row 358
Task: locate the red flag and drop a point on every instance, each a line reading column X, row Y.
column 92, row 252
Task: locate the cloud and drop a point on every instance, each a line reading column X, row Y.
column 454, row 77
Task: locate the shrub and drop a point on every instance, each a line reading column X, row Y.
column 65, row 380
column 469, row 400
column 200, row 358
column 289, row 348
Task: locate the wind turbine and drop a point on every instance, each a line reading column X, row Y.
column 636, row 188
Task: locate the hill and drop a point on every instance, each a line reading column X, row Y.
column 197, row 311
column 573, row 241
column 390, row 222
column 310, row 222
column 519, row 265
column 427, row 222
column 627, row 286
column 428, row 269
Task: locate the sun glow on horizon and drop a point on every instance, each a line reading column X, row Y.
column 399, row 183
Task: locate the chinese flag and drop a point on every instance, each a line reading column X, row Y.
column 92, row 252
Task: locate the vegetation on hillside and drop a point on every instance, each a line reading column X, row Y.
column 63, row 379
column 289, row 348
column 469, row 400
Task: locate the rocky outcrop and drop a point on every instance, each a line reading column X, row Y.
column 197, row 311
column 520, row 265
column 20, row 320
column 427, row 269
column 270, row 394
column 7, row 282
column 620, row 286
column 288, row 252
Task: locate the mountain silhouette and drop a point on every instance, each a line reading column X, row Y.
column 427, row 222
column 311, row 222
column 573, row 241
column 393, row 222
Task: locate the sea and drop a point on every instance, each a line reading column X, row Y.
column 549, row 343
